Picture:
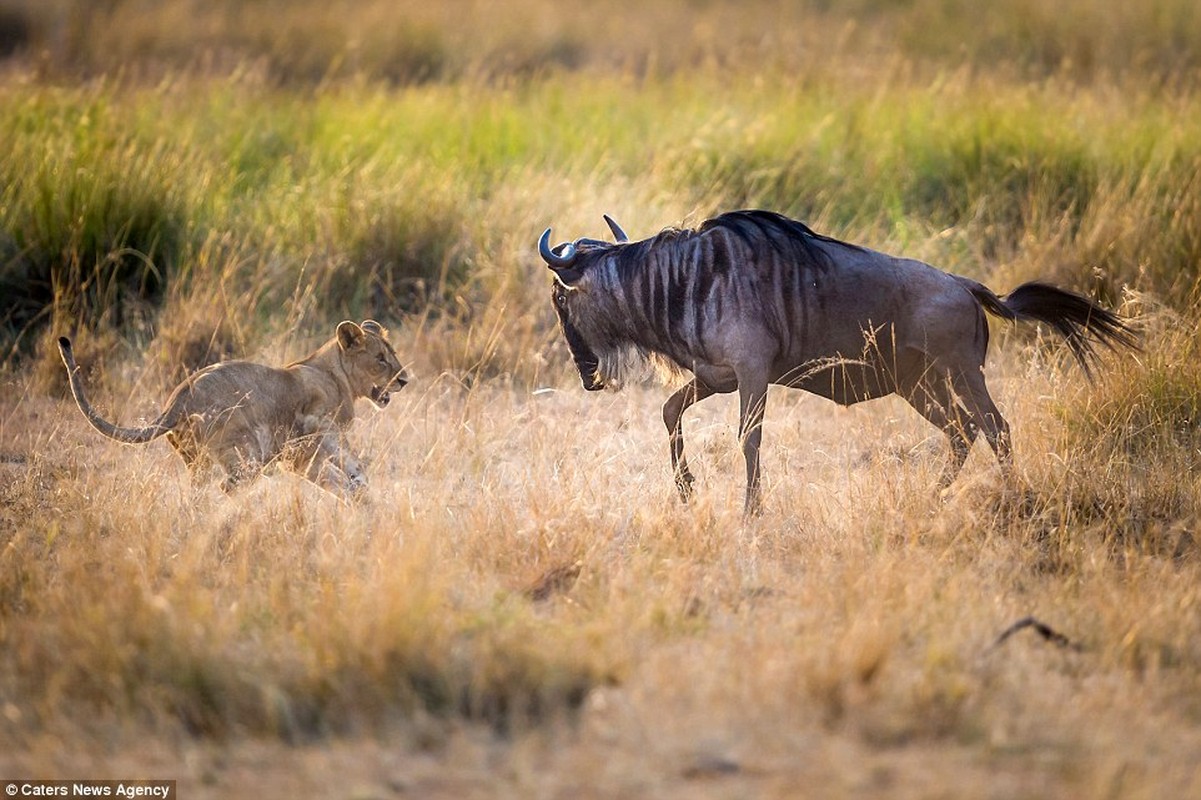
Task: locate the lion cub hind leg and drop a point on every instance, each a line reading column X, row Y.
column 191, row 450
column 242, row 453
column 240, row 468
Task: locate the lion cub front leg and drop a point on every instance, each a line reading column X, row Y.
column 343, row 475
column 334, row 469
column 321, row 455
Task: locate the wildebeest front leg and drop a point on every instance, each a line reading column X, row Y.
column 673, row 417
column 752, row 402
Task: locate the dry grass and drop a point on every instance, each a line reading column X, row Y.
column 524, row 609
column 844, row 641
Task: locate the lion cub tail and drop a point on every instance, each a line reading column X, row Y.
column 128, row 435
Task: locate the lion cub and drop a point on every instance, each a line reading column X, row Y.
column 244, row 416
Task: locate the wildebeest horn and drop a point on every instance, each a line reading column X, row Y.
column 555, row 260
column 618, row 233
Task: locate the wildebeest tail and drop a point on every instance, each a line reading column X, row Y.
column 163, row 424
column 1081, row 322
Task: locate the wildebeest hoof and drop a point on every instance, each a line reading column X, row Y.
column 684, row 487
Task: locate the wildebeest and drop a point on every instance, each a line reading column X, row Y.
column 752, row 298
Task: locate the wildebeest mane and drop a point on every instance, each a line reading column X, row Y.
column 788, row 237
column 759, row 230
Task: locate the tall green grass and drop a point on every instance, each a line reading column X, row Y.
column 388, row 202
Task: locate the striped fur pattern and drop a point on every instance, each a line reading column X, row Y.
column 657, row 300
column 752, row 298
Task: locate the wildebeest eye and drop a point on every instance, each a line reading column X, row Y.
column 561, row 299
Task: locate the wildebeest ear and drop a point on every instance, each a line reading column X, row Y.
column 373, row 327
column 349, row 334
column 567, row 277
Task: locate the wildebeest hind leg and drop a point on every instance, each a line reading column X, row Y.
column 673, row 418
column 975, row 397
column 934, row 399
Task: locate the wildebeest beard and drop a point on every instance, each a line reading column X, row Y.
column 615, row 361
column 585, row 359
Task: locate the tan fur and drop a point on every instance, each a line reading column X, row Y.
column 243, row 416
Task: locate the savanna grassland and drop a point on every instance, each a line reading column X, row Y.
column 523, row 608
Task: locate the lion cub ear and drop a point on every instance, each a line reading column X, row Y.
column 349, row 334
column 373, row 327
